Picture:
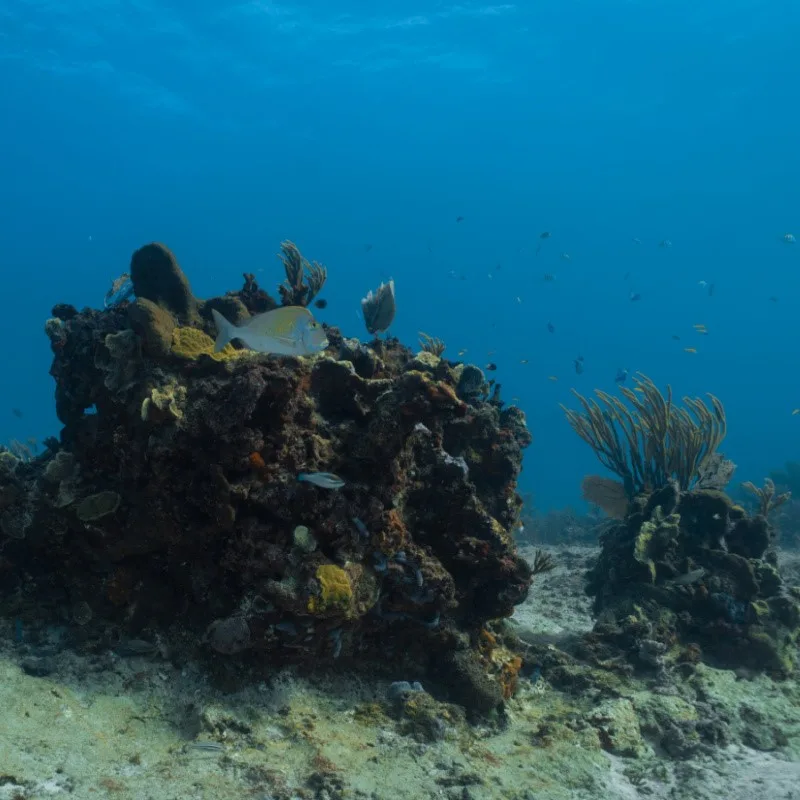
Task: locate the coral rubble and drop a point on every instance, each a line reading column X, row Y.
column 172, row 503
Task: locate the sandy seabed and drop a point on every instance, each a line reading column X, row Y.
column 106, row 726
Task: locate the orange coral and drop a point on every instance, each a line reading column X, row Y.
column 509, row 676
column 394, row 534
column 257, row 461
column 486, row 641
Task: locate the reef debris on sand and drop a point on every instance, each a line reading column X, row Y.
column 171, row 503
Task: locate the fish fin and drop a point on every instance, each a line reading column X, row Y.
column 226, row 331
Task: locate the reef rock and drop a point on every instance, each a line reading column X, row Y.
column 690, row 576
column 183, row 499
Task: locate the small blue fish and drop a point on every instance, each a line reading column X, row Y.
column 325, row 480
column 361, row 528
column 622, row 376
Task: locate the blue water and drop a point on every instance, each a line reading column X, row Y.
column 223, row 129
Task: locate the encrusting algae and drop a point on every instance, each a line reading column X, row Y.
column 191, row 343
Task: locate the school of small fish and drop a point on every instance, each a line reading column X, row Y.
column 634, row 296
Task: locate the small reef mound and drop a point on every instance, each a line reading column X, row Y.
column 684, row 573
column 171, row 505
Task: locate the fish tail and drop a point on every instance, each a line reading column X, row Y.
column 226, row 331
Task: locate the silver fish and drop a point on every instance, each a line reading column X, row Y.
column 325, row 480
column 136, row 647
column 688, row 578
column 286, row 331
column 205, row 747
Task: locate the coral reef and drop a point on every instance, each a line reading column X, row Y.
column 687, row 574
column 173, row 504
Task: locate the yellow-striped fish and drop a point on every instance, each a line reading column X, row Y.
column 552, row 378
column 289, row 330
column 689, row 349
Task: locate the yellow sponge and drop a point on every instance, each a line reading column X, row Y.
column 336, row 591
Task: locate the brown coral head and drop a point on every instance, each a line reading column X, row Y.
column 157, row 276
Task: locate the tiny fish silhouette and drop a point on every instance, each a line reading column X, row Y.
column 551, row 328
column 325, row 480
column 688, row 578
column 459, row 219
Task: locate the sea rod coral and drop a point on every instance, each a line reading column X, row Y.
column 181, row 511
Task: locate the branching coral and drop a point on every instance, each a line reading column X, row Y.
column 654, row 441
column 304, row 279
column 768, row 498
column 542, row 562
column 430, row 344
